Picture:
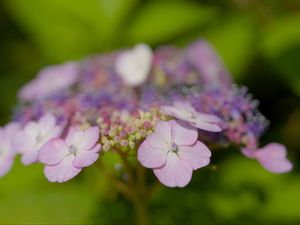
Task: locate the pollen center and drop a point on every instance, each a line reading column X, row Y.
column 174, row 148
column 73, row 150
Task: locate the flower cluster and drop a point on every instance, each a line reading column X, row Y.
column 169, row 107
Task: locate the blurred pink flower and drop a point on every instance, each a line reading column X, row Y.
column 184, row 111
column 7, row 151
column 64, row 159
column 34, row 136
column 133, row 66
column 49, row 81
column 205, row 59
column 273, row 157
column 173, row 152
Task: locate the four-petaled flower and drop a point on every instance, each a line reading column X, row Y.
column 34, row 136
column 173, row 152
column 273, row 157
column 7, row 151
column 64, row 159
column 133, row 66
column 185, row 111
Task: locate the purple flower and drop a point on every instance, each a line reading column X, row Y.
column 64, row 159
column 173, row 152
column 272, row 157
column 204, row 58
column 133, row 66
column 34, row 136
column 50, row 81
column 7, row 151
column 184, row 111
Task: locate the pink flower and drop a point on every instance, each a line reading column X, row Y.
column 7, row 151
column 64, row 159
column 34, row 136
column 272, row 157
column 133, row 66
column 185, row 112
column 204, row 58
column 49, row 81
column 173, row 152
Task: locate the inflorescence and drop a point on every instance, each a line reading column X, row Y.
column 169, row 107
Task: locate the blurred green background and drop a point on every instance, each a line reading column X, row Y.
column 259, row 41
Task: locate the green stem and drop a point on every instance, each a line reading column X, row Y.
column 133, row 191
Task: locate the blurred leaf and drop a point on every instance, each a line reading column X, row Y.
column 28, row 198
column 160, row 21
column 65, row 30
column 234, row 39
column 282, row 34
column 281, row 47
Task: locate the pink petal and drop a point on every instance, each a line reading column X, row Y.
column 169, row 110
column 198, row 155
column 151, row 157
column 273, row 158
column 155, row 140
column 164, row 129
column 47, row 122
column 89, row 138
column 175, row 173
column 62, row 172
column 183, row 133
column 70, row 139
column 11, row 129
column 85, row 158
column 23, row 143
column 200, row 124
column 208, row 118
column 30, row 157
column 248, row 153
column 5, row 165
column 211, row 68
column 32, row 129
column 53, row 152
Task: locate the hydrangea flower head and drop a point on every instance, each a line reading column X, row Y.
column 64, row 159
column 160, row 105
column 173, row 152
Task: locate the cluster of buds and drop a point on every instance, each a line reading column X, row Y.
column 164, row 106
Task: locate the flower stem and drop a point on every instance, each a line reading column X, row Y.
column 135, row 190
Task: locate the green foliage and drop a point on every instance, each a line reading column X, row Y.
column 281, row 46
column 235, row 40
column 158, row 22
column 26, row 197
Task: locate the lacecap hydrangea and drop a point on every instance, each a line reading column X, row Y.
column 169, row 108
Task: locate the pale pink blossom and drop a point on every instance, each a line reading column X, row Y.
column 212, row 69
column 64, row 159
column 134, row 66
column 173, row 152
column 50, row 80
column 29, row 141
column 273, row 157
column 7, row 151
column 185, row 111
